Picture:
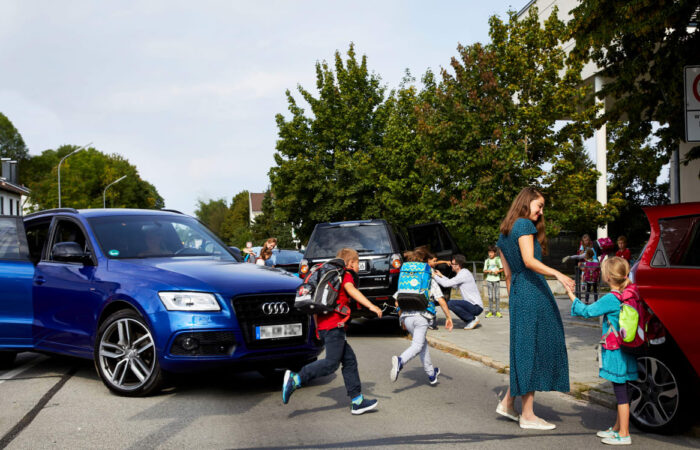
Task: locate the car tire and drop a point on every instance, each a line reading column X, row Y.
column 7, row 359
column 125, row 355
column 662, row 395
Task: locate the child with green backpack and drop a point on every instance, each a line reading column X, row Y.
column 615, row 365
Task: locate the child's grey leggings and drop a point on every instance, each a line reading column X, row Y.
column 494, row 288
column 417, row 325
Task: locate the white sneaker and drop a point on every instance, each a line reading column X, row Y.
column 471, row 325
column 395, row 368
column 537, row 424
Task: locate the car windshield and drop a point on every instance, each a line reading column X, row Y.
column 156, row 236
column 289, row 257
column 364, row 238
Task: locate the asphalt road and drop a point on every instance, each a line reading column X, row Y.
column 51, row 402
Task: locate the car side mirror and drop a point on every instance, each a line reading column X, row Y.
column 70, row 252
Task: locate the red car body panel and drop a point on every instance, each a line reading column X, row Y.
column 673, row 293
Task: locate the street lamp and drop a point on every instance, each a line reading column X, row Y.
column 104, row 193
column 59, row 169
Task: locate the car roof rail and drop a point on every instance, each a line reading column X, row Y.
column 172, row 211
column 52, row 211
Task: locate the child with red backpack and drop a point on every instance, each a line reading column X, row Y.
column 331, row 328
column 615, row 365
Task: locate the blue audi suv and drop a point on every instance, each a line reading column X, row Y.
column 143, row 293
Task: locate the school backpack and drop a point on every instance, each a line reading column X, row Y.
column 606, row 245
column 414, row 287
column 639, row 326
column 591, row 272
column 319, row 292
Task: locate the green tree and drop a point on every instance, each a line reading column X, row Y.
column 642, row 48
column 324, row 168
column 11, row 143
column 487, row 129
column 235, row 230
column 213, row 214
column 634, row 164
column 84, row 177
column 267, row 225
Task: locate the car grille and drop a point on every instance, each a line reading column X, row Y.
column 250, row 314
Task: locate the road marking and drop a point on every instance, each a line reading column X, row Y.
column 13, row 373
column 29, row 417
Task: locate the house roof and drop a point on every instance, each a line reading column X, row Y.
column 10, row 187
column 256, row 200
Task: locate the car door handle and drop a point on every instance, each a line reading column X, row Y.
column 39, row 280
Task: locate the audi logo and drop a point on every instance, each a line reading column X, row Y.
column 275, row 308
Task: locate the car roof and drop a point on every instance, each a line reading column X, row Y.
column 99, row 212
column 350, row 222
column 673, row 210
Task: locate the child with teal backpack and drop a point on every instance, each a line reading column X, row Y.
column 416, row 318
column 615, row 365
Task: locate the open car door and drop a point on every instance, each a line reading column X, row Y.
column 435, row 236
column 16, row 279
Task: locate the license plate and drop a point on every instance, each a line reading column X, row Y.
column 278, row 331
column 363, row 265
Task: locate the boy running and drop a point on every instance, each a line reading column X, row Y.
column 331, row 328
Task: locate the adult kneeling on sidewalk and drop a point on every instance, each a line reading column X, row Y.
column 471, row 306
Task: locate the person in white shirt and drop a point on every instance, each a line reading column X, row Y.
column 471, row 306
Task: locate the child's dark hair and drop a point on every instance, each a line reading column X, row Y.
column 493, row 248
column 590, row 253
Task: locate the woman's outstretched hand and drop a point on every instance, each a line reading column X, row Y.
column 565, row 281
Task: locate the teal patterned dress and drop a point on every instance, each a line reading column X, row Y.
column 538, row 359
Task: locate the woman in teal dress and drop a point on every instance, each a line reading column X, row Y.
column 538, row 359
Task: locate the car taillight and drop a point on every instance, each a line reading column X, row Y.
column 303, row 267
column 395, row 263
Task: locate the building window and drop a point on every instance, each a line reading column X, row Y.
column 18, row 207
column 2, row 205
column 10, row 206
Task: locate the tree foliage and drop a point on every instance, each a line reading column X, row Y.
column 324, row 168
column 11, row 143
column 268, row 225
column 642, row 47
column 84, row 177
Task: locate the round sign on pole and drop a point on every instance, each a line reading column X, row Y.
column 692, row 103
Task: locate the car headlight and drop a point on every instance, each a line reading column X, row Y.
column 189, row 301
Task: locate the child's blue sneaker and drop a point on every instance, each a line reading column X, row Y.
column 433, row 379
column 396, row 367
column 289, row 385
column 617, row 440
column 363, row 406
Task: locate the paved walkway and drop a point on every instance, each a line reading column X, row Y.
column 489, row 343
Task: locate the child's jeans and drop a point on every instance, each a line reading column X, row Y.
column 417, row 325
column 591, row 287
column 337, row 351
column 494, row 288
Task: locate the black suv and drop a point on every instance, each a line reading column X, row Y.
column 380, row 246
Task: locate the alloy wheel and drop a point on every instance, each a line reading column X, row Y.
column 654, row 396
column 127, row 356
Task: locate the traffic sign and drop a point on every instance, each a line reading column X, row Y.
column 692, row 103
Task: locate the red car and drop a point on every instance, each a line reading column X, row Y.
column 664, row 399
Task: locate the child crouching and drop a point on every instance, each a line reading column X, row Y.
column 417, row 323
column 615, row 365
column 331, row 328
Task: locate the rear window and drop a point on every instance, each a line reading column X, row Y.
column 680, row 237
column 364, row 238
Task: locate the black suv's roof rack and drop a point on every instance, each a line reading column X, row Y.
column 53, row 211
column 172, row 210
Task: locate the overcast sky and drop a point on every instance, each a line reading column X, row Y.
column 188, row 91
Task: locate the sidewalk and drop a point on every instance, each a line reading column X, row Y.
column 489, row 344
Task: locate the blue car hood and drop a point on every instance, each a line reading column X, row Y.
column 226, row 278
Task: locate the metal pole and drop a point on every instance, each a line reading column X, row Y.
column 59, row 169
column 104, row 193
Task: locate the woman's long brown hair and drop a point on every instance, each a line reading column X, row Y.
column 520, row 208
